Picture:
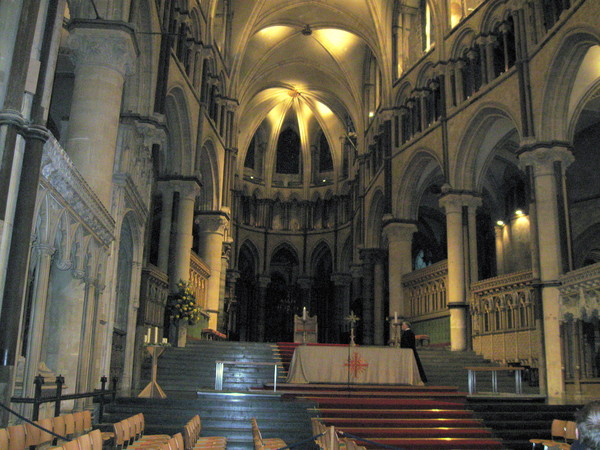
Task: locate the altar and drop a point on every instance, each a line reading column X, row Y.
column 353, row 365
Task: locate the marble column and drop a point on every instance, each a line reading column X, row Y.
column 341, row 282
column 103, row 54
column 211, row 229
column 188, row 191
column 263, row 283
column 165, row 225
column 456, row 295
column 547, row 165
column 399, row 236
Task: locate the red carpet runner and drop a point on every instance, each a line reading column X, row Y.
column 430, row 417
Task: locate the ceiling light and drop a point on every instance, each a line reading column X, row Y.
column 306, row 31
column 293, row 93
column 500, row 223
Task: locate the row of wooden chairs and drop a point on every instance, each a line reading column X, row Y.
column 562, row 434
column 129, row 433
column 193, row 440
column 329, row 439
column 20, row 437
column 89, row 441
column 261, row 443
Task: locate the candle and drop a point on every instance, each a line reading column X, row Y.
column 156, row 335
column 395, row 317
column 145, row 339
column 164, row 341
column 304, row 313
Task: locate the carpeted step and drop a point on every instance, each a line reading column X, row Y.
column 436, row 443
column 387, row 403
column 331, row 413
column 412, row 422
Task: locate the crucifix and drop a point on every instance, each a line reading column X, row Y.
column 352, row 319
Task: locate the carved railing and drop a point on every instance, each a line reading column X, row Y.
column 502, row 318
column 425, row 291
column 580, row 329
column 153, row 295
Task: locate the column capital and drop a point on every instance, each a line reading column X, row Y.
column 188, row 189
column 372, row 255
column 341, row 279
column 263, row 280
column 453, row 201
column 305, row 281
column 398, row 230
column 44, row 249
column 233, row 275
column 542, row 159
column 213, row 222
column 103, row 43
column 356, row 270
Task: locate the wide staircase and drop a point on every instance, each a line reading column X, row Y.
column 439, row 415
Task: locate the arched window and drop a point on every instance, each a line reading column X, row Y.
column 325, row 160
column 288, row 152
column 249, row 161
column 427, row 26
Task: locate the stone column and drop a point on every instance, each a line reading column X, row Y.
column 305, row 285
column 457, row 302
column 399, row 236
column 223, row 294
column 43, row 254
column 472, row 203
column 211, row 229
column 546, row 164
column 188, row 191
column 165, row 225
column 103, row 55
column 378, row 284
column 263, row 283
column 341, row 281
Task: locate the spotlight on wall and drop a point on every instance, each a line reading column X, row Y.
column 251, row 177
column 519, row 212
column 371, row 114
column 324, row 180
column 500, row 223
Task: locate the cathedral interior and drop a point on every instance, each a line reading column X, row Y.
column 433, row 160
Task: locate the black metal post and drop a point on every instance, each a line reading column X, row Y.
column 60, row 380
column 38, row 382
column 103, row 381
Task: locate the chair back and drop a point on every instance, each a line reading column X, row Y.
column 78, row 419
column 69, row 425
column 16, row 437
column 71, row 445
column 45, row 437
column 84, row 442
column 557, row 429
column 87, row 420
column 570, row 431
column 96, row 439
column 3, row 439
column 119, row 435
column 179, row 441
column 32, row 435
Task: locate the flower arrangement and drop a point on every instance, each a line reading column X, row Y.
column 182, row 304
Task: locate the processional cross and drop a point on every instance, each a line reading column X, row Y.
column 352, row 319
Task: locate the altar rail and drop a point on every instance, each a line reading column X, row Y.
column 502, row 319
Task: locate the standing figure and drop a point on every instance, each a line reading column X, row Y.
column 408, row 341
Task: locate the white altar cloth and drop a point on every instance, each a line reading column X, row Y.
column 353, row 365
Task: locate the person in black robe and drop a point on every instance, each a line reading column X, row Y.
column 408, row 341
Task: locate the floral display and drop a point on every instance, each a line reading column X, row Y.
column 182, row 304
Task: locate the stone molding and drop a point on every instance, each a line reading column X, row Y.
column 453, row 201
column 62, row 177
column 542, row 159
column 397, row 231
column 110, row 46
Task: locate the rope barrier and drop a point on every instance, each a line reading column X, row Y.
column 25, row 419
column 296, row 444
column 357, row 438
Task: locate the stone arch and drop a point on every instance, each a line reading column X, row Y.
column 206, row 169
column 567, row 84
column 373, row 236
column 423, row 167
column 490, row 124
column 178, row 124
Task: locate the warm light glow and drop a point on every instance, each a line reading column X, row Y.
column 371, row 114
column 500, row 223
column 323, row 109
column 273, row 33
column 293, row 93
column 518, row 212
column 324, row 180
column 335, row 39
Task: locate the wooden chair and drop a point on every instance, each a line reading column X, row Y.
column 84, row 442
column 96, row 439
column 16, row 437
column 45, row 438
column 570, row 431
column 78, row 420
column 264, row 444
column 3, row 439
column 557, row 435
column 32, row 435
column 59, row 427
column 71, row 445
column 69, row 425
column 87, row 420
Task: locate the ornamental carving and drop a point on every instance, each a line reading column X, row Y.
column 211, row 223
column 109, row 48
column 542, row 159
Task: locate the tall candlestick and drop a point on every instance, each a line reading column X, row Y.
column 304, row 313
column 156, row 335
column 395, row 317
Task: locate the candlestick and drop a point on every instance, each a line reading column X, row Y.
column 304, row 313
column 156, row 335
column 395, row 317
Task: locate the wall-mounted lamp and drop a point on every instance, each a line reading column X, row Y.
column 519, row 212
column 500, row 223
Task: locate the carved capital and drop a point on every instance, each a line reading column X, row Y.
column 188, row 189
column 211, row 223
column 341, row 279
column 108, row 46
column 542, row 159
column 372, row 255
column 398, row 231
column 452, row 203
